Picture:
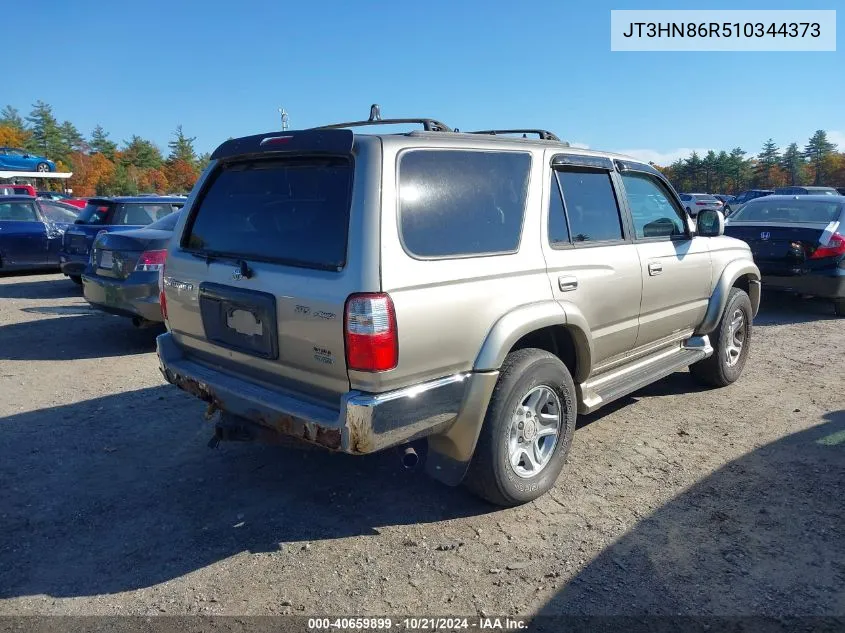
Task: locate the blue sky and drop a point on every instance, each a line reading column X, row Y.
column 222, row 69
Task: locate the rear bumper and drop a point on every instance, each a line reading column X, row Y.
column 362, row 423
column 135, row 296
column 72, row 264
column 824, row 286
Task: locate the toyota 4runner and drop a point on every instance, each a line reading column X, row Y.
column 466, row 292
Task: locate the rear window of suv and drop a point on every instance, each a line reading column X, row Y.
column 455, row 203
column 290, row 211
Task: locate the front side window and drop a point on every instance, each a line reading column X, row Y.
column 652, row 209
column 590, row 206
column 457, row 203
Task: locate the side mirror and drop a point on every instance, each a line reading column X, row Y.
column 710, row 223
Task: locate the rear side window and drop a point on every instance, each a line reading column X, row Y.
column 590, row 206
column 290, row 211
column 457, row 203
column 17, row 212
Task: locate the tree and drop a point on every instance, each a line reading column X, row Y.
column 818, row 152
column 767, row 160
column 89, row 172
column 182, row 147
column 141, row 153
column 101, row 143
column 72, row 140
column 693, row 167
column 11, row 117
column 203, row 161
column 738, row 168
column 46, row 135
column 13, row 137
column 709, row 164
column 792, row 162
column 180, row 175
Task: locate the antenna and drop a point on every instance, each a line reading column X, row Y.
column 285, row 119
column 375, row 112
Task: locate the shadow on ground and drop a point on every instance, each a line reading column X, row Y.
column 121, row 492
column 781, row 308
column 22, row 286
column 762, row 535
column 74, row 332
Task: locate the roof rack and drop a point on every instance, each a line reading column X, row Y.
column 429, row 125
column 543, row 134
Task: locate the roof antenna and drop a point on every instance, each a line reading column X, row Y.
column 375, row 112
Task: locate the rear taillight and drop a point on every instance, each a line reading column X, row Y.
column 151, row 261
column 371, row 339
column 835, row 247
column 162, row 299
column 703, row 204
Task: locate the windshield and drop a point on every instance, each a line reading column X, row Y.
column 293, row 212
column 788, row 211
column 94, row 213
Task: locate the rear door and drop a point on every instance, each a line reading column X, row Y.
column 591, row 260
column 790, row 237
column 259, row 277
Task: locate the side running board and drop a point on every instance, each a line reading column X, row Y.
column 598, row 391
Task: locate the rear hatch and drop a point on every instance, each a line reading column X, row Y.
column 257, row 283
column 791, row 236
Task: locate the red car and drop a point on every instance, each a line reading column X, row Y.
column 17, row 190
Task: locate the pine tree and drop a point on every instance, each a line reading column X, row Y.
column 46, row 135
column 72, row 140
column 203, row 160
column 693, row 167
column 767, row 160
column 101, row 143
column 11, row 117
column 738, row 168
column 182, row 148
column 141, row 153
column 709, row 166
column 818, row 152
column 792, row 162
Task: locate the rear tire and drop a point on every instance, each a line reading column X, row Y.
column 42, row 167
column 534, row 389
column 731, row 342
column 77, row 279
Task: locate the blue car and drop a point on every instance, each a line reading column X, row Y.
column 16, row 159
column 102, row 215
column 31, row 232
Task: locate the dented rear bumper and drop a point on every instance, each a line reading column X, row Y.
column 361, row 423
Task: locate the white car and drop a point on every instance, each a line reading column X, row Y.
column 695, row 202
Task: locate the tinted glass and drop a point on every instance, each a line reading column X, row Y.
column 94, row 213
column 558, row 231
column 790, row 211
column 652, row 211
column 293, row 211
column 56, row 213
column 590, row 206
column 455, row 203
column 17, row 212
column 685, row 197
column 167, row 223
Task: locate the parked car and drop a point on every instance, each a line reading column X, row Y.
column 122, row 273
column 17, row 190
column 743, row 197
column 53, row 195
column 108, row 214
column 798, row 243
column 16, row 159
column 695, row 202
column 725, row 199
column 77, row 202
column 367, row 291
column 806, row 191
column 30, row 232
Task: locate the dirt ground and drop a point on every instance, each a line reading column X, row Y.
column 674, row 501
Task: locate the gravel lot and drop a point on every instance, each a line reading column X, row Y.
column 675, row 500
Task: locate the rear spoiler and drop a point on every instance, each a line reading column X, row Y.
column 317, row 141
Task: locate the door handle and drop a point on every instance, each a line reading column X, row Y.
column 567, row 284
column 655, row 268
